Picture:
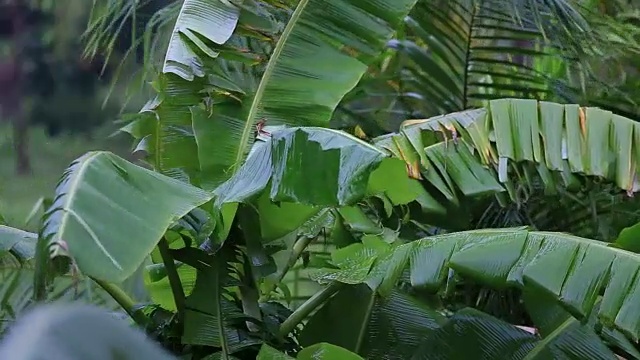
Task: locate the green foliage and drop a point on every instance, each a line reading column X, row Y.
column 235, row 204
column 77, row 222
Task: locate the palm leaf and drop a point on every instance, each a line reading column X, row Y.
column 460, row 52
column 108, row 214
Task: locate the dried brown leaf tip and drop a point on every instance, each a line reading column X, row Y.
column 583, row 121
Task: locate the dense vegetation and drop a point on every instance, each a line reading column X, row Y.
column 302, row 195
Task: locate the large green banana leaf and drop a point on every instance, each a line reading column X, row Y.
column 201, row 125
column 573, row 270
column 333, row 170
column 315, row 62
column 402, row 327
column 561, row 142
column 109, row 214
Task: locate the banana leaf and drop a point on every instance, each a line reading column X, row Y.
column 109, row 214
column 573, row 271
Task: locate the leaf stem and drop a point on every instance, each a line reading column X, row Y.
column 298, row 248
column 308, row 307
column 174, row 278
column 123, row 300
column 271, row 65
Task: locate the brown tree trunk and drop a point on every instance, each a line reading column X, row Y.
column 14, row 105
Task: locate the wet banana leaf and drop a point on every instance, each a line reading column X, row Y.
column 108, row 214
column 572, row 270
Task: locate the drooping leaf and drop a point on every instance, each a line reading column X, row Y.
column 21, row 244
column 563, row 142
column 572, row 270
column 111, row 213
column 334, row 171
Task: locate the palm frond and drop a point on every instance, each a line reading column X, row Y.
column 455, row 55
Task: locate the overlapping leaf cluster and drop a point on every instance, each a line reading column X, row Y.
column 248, row 183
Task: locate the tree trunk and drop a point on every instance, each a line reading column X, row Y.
column 13, row 106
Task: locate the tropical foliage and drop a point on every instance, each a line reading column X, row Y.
column 244, row 181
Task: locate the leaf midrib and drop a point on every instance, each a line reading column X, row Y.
column 67, row 212
column 365, row 322
column 271, row 65
column 71, row 193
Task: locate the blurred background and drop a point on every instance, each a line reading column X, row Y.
column 52, row 96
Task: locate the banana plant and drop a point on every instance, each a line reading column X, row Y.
column 246, row 176
column 292, row 177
